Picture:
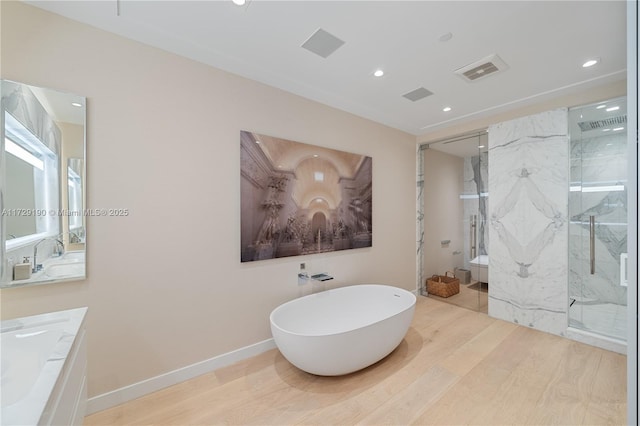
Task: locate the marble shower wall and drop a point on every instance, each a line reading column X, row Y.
column 598, row 161
column 476, row 183
column 528, row 214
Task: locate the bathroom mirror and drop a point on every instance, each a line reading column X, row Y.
column 42, row 189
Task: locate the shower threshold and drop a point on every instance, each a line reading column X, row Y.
column 597, row 340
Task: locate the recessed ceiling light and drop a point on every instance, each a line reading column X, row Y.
column 76, row 104
column 618, row 128
column 601, row 106
column 239, row 2
column 590, row 63
column 480, row 146
column 606, row 130
column 257, row 142
column 445, row 37
column 615, row 108
column 315, row 155
column 378, row 73
column 446, row 109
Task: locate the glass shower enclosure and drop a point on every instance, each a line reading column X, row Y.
column 455, row 196
column 598, row 219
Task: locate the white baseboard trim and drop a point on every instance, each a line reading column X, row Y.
column 153, row 384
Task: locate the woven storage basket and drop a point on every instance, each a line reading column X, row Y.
column 443, row 285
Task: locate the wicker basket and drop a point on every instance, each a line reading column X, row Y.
column 443, row 285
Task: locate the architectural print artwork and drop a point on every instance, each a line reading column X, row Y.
column 301, row 199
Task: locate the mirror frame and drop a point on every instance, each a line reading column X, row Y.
column 66, row 251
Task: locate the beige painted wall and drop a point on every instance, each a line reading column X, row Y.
column 165, row 285
column 443, row 211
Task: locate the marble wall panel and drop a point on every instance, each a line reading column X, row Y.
column 528, row 215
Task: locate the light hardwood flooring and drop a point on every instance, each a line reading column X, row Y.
column 455, row 366
column 474, row 296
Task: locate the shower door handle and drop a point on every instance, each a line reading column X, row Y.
column 472, row 236
column 592, row 244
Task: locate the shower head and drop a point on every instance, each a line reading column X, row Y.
column 585, row 126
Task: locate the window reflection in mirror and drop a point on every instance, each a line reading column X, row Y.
column 74, row 194
column 42, row 188
column 32, row 170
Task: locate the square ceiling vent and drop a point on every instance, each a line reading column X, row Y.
column 485, row 67
column 322, row 43
column 419, row 93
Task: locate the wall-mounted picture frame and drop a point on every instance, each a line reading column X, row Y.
column 299, row 199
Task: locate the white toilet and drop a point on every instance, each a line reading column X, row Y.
column 480, row 268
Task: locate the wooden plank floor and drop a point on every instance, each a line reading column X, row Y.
column 454, row 366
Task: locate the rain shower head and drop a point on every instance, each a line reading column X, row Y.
column 585, row 126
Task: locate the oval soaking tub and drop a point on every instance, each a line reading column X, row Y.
column 342, row 330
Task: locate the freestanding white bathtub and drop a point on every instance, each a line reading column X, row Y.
column 342, row 330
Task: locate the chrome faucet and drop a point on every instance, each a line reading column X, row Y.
column 38, row 266
column 73, row 237
column 59, row 247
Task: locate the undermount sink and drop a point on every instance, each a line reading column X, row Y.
column 63, row 270
column 73, row 256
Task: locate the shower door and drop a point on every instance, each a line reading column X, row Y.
column 455, row 216
column 476, row 207
column 598, row 219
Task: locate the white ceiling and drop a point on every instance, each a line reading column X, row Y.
column 543, row 43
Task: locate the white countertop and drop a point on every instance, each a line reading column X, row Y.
column 41, row 276
column 29, row 409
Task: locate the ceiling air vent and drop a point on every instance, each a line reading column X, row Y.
column 416, row 95
column 598, row 124
column 322, row 43
column 482, row 68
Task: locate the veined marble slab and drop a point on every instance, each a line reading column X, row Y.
column 528, row 214
column 476, row 201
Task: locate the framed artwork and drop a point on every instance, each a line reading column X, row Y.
column 299, row 199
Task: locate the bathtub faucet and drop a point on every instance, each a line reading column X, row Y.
column 303, row 277
column 321, row 277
